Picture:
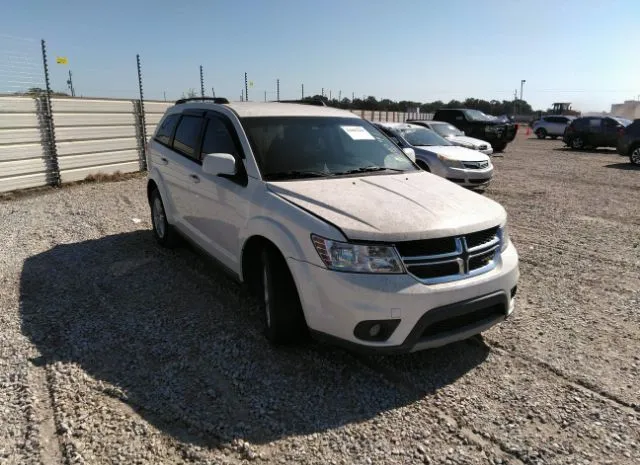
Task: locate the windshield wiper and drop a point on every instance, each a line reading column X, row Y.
column 295, row 174
column 370, row 169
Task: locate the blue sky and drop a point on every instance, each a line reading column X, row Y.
column 577, row 51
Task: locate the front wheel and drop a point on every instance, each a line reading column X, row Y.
column 634, row 156
column 423, row 166
column 541, row 133
column 283, row 317
column 499, row 147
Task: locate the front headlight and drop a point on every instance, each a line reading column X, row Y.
column 450, row 162
column 357, row 258
column 503, row 235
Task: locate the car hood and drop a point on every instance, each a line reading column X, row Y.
column 455, row 152
column 466, row 140
column 392, row 208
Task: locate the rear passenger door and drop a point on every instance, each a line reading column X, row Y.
column 610, row 132
column 593, row 134
column 183, row 165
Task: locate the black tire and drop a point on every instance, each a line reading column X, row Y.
column 577, row 143
column 282, row 313
column 634, row 155
column 423, row 166
column 541, row 133
column 164, row 233
column 499, row 147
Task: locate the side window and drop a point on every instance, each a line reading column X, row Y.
column 218, row 139
column 187, row 135
column 594, row 123
column 165, row 130
column 610, row 123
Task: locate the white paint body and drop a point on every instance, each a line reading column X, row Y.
column 220, row 216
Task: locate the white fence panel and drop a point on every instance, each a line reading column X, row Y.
column 23, row 158
column 95, row 136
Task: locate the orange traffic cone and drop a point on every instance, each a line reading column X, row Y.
column 528, row 130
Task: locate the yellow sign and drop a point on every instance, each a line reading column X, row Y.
column 62, row 60
column 250, row 83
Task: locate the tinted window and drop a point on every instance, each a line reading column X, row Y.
column 581, row 123
column 634, row 128
column 594, row 122
column 165, row 130
column 422, row 137
column 187, row 134
column 218, row 139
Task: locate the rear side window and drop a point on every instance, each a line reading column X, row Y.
column 187, row 135
column 595, row 122
column 164, row 132
column 218, row 139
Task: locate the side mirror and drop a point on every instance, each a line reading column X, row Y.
column 408, row 151
column 219, row 163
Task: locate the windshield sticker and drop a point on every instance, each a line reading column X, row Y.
column 357, row 132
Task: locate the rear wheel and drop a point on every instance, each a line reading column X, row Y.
column 541, row 133
column 162, row 230
column 577, row 143
column 634, row 155
column 283, row 317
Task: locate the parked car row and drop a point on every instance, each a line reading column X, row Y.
column 593, row 132
column 334, row 227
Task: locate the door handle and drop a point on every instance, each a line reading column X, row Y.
column 195, row 178
column 164, row 161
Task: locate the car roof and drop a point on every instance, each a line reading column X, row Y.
column 267, row 109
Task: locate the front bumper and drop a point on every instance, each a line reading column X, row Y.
column 469, row 177
column 334, row 303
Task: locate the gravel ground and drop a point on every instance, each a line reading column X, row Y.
column 115, row 351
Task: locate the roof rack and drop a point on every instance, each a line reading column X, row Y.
column 220, row 100
column 315, row 102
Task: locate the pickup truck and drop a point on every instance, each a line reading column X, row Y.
column 475, row 123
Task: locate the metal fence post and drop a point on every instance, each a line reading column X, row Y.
column 49, row 126
column 143, row 124
column 201, row 83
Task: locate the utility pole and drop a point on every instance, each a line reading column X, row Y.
column 278, row 90
column 353, row 96
column 265, row 95
column 70, row 84
column 246, row 88
column 213, row 92
column 302, row 91
column 329, row 94
column 165, row 95
column 201, row 83
column 339, row 96
column 515, row 101
column 242, row 95
column 521, row 87
column 322, row 92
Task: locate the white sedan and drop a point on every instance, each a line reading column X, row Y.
column 466, row 167
column 456, row 136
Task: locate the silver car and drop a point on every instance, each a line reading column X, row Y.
column 466, row 167
column 456, row 136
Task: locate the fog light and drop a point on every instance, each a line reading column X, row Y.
column 375, row 330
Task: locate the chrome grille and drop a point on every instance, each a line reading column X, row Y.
column 447, row 259
column 475, row 165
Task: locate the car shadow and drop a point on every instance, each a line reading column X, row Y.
column 603, row 151
column 624, row 166
column 174, row 338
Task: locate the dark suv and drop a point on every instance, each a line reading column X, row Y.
column 594, row 131
column 629, row 142
column 476, row 124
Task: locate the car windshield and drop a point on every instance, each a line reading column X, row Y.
column 303, row 147
column 446, row 129
column 477, row 115
column 623, row 121
column 420, row 136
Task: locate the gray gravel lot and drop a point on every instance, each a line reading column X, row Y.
column 113, row 350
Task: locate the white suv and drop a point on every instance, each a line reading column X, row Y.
column 336, row 230
column 552, row 126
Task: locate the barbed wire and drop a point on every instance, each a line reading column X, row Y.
column 21, row 65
